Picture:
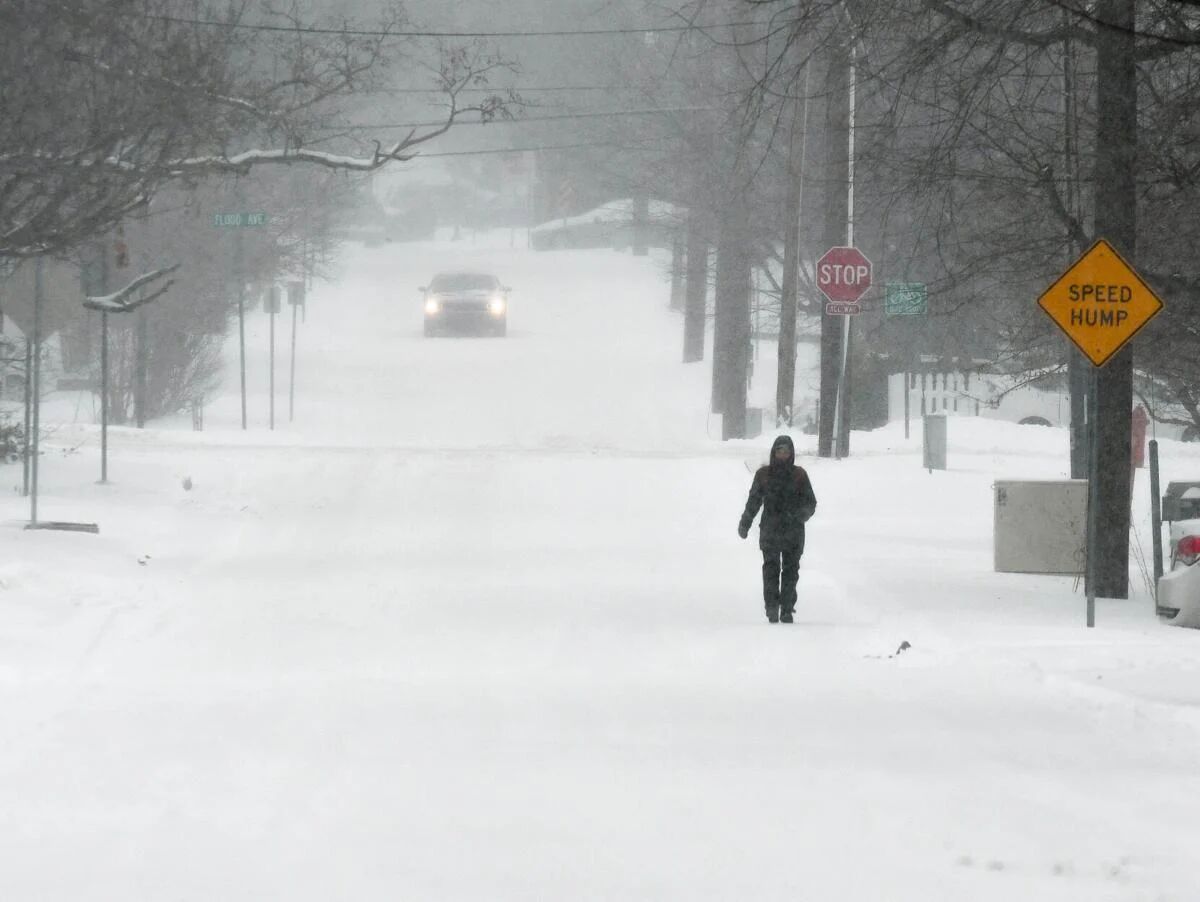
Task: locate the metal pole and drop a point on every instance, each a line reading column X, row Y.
column 1093, row 486
column 37, row 387
column 292, row 378
column 241, row 291
column 273, row 297
column 842, row 447
column 103, row 368
column 104, row 396
column 1156, row 515
column 906, row 404
column 142, row 353
column 28, row 442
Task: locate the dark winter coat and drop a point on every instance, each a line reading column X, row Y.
column 786, row 497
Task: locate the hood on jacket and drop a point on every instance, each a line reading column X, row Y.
column 784, row 441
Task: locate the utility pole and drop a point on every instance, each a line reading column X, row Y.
column 1079, row 368
column 845, row 382
column 1116, row 221
column 786, row 381
column 837, row 214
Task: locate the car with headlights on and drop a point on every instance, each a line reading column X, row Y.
column 466, row 302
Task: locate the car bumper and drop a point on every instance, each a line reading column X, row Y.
column 450, row 318
column 1179, row 591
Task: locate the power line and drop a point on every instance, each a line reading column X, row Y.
column 510, row 150
column 353, row 32
column 515, row 89
column 605, row 114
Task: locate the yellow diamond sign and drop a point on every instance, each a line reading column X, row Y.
column 1100, row 302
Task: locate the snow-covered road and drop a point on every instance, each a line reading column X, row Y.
column 478, row 626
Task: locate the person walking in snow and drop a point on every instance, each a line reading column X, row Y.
column 783, row 491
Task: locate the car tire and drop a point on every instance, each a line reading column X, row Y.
column 430, row 329
column 501, row 329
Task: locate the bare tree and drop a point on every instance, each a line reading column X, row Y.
column 106, row 101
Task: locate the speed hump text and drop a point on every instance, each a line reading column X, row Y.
column 1100, row 302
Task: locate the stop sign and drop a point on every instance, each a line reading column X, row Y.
column 844, row 274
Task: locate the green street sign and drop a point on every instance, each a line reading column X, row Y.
column 905, row 299
column 239, row 220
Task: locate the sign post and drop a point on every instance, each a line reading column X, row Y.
column 296, row 299
column 906, row 299
column 272, row 309
column 1100, row 303
column 239, row 221
column 844, row 276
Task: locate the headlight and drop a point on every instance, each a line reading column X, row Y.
column 432, row 306
column 496, row 306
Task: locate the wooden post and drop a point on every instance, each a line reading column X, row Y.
column 1116, row 221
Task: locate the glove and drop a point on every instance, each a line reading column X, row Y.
column 743, row 530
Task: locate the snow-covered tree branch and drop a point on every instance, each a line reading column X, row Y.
column 124, row 300
column 106, row 101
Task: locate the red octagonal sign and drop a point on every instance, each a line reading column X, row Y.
column 844, row 274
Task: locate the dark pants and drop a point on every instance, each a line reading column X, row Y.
column 781, row 571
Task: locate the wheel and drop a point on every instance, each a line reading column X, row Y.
column 430, row 329
column 501, row 329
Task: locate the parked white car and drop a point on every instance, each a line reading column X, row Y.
column 1179, row 587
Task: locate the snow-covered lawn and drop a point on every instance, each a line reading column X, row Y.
column 478, row 625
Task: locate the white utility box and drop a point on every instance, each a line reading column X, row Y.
column 1040, row 525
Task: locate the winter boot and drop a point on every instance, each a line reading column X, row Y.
column 786, row 616
column 773, row 615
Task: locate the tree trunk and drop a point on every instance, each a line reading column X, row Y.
column 641, row 225
column 731, row 349
column 677, row 268
column 695, row 289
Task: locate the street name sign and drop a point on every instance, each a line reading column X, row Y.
column 239, row 220
column 1100, row 302
column 842, row 308
column 844, row 275
column 905, row 299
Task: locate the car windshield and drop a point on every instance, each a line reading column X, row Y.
column 463, row 282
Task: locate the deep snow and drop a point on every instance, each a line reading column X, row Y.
column 478, row 625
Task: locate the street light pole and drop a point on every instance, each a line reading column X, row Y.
column 841, row 428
